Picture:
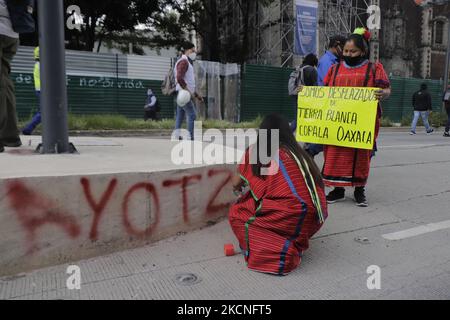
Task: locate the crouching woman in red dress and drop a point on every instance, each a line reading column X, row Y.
column 349, row 167
column 285, row 205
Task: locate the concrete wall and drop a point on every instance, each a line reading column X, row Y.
column 54, row 220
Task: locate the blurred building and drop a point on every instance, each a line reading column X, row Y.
column 412, row 41
column 414, row 38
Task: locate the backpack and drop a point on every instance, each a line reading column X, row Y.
column 21, row 15
column 168, row 86
column 296, row 79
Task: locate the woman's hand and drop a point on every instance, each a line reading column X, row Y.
column 299, row 89
column 237, row 183
column 382, row 94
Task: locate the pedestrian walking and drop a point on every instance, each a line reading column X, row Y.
column 36, row 120
column 9, row 40
column 185, row 80
column 423, row 107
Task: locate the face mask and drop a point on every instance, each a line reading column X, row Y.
column 353, row 61
column 192, row 56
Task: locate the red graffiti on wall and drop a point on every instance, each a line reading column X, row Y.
column 184, row 182
column 99, row 207
column 150, row 188
column 34, row 211
column 212, row 208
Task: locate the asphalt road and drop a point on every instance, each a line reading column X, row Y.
column 404, row 236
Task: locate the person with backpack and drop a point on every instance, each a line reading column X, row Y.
column 423, row 106
column 349, row 167
column 15, row 18
column 169, row 86
column 185, row 80
column 303, row 75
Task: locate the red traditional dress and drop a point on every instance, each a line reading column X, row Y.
column 276, row 218
column 348, row 167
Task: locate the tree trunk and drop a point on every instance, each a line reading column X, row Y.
column 91, row 42
column 246, row 30
column 90, row 33
column 100, row 39
column 214, row 36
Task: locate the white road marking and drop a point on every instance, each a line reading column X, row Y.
column 409, row 233
column 409, row 146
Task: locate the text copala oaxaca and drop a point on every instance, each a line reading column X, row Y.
column 340, row 116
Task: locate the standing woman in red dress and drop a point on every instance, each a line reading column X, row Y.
column 349, row 167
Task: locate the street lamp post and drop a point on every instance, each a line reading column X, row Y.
column 55, row 134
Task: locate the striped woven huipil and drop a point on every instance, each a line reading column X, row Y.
column 276, row 218
column 347, row 167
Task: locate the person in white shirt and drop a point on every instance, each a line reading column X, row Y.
column 185, row 79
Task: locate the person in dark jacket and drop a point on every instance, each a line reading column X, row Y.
column 310, row 75
column 307, row 76
column 151, row 107
column 422, row 108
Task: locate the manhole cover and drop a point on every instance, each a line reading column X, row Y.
column 187, row 279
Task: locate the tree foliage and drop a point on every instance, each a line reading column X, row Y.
column 105, row 18
column 204, row 17
column 164, row 24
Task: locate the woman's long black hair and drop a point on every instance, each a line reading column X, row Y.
column 287, row 141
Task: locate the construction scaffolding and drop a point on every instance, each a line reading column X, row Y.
column 275, row 34
column 272, row 28
column 342, row 16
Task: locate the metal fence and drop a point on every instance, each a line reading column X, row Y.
column 117, row 84
column 264, row 90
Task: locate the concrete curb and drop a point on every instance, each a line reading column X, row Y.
column 167, row 133
column 47, row 221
